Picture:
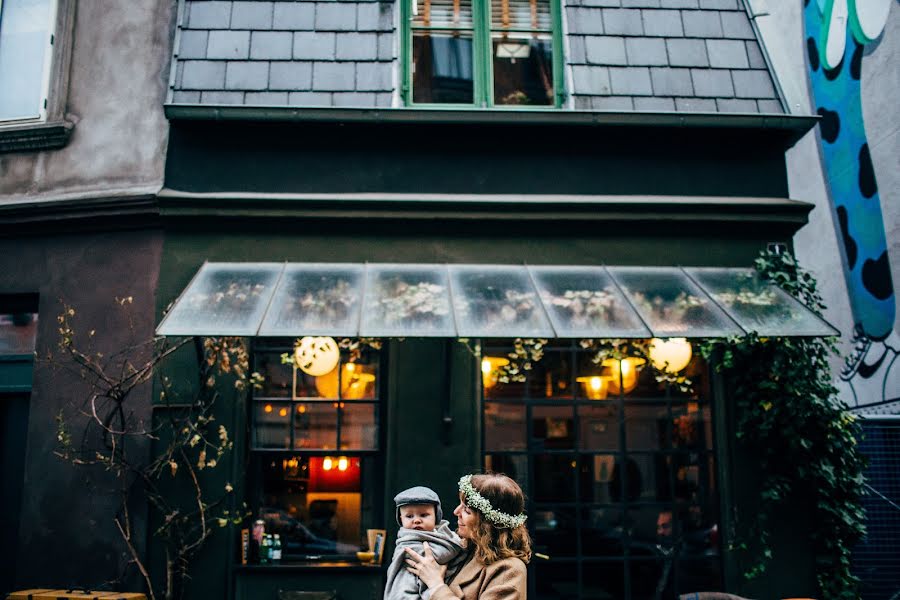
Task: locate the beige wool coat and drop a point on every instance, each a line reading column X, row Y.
column 503, row 580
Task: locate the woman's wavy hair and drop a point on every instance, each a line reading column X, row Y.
column 492, row 543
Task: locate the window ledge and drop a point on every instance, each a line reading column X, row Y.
column 35, row 136
column 303, row 566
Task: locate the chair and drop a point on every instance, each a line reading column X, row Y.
column 296, row 595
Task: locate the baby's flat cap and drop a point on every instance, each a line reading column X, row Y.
column 419, row 495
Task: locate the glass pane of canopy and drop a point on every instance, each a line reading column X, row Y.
column 496, row 301
column 671, row 304
column 223, row 299
column 758, row 305
column 407, row 301
column 316, row 299
column 583, row 302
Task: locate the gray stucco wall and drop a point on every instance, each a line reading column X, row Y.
column 121, row 51
column 817, row 244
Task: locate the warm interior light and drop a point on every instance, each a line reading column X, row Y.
column 596, row 387
column 489, row 367
column 327, row 463
column 623, row 373
column 316, row 355
column 343, row 463
column 301, row 409
column 355, row 382
column 267, row 408
column 282, row 412
column 671, row 355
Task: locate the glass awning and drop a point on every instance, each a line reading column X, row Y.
column 437, row 300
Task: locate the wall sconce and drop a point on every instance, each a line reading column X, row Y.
column 489, row 367
column 670, row 355
column 623, row 373
column 596, row 387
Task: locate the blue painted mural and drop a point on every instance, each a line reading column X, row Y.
column 837, row 35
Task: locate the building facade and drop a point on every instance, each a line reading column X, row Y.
column 523, row 132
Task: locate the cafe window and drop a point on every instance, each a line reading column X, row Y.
column 482, row 53
column 618, row 470
column 315, row 468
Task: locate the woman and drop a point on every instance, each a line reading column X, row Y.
column 491, row 522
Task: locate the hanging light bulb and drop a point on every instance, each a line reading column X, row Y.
column 327, row 463
column 671, row 355
column 343, row 463
column 596, row 387
column 489, row 366
column 623, row 373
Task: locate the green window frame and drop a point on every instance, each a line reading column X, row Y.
column 482, row 31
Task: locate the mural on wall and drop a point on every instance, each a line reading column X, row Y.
column 839, row 33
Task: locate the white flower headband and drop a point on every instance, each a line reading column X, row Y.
column 499, row 519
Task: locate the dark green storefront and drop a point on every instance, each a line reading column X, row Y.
column 536, row 188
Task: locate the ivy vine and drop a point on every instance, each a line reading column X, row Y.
column 791, row 418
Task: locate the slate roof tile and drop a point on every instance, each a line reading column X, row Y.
column 605, row 50
column 662, row 23
column 290, row 76
column 584, row 20
column 770, row 106
column 219, row 97
column 678, row 4
column 712, row 83
column 266, row 98
column 374, row 76
column 728, row 54
column 695, row 104
column 228, row 44
column 622, row 21
column 612, row 103
column 671, row 82
column 246, row 75
column 271, row 44
column 353, row 99
column 192, row 43
column 314, row 45
column 701, row 23
column 631, row 81
column 333, row 77
column 335, row 16
column 209, row 15
column 687, row 53
column 254, row 14
column 292, row 16
column 309, row 99
column 736, row 24
column 356, row 46
column 646, row 51
column 737, row 105
column 655, row 103
column 753, row 84
column 591, row 80
column 203, row 75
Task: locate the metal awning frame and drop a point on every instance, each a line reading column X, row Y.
column 646, row 331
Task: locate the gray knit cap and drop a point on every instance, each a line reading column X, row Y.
column 419, row 495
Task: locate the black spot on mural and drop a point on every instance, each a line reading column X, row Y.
column 867, row 184
column 813, row 53
column 849, row 242
column 856, row 61
column 830, row 125
column 832, row 74
column 876, row 277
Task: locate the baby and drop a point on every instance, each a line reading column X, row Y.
column 421, row 520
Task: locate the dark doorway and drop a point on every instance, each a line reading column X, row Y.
column 13, row 431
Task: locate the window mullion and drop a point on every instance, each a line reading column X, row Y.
column 483, row 68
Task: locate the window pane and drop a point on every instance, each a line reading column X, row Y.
column 599, row 481
column 310, row 386
column 649, row 573
column 359, row 380
column 315, row 425
column 554, row 531
column 493, row 300
column 223, row 299
column 320, row 299
column 556, row 581
column 316, row 511
column 523, row 69
column 18, row 333
column 758, row 305
column 602, row 532
column 583, row 302
column 603, row 580
column 554, row 477
column 671, row 304
column 646, row 426
column 272, row 425
column 553, row 427
column 551, row 377
column 359, row 426
column 520, row 14
column 24, row 44
column 442, row 13
column 504, row 427
column 277, row 376
column 442, row 67
column 599, row 427
column 407, row 301
column 513, row 465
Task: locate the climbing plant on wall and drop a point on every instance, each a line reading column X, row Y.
column 790, row 417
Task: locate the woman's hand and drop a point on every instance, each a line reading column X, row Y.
column 425, row 567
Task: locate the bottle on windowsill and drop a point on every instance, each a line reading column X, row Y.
column 276, row 549
column 265, row 549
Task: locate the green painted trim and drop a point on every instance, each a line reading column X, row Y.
column 482, row 58
column 16, row 371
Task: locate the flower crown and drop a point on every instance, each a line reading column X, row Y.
column 497, row 518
